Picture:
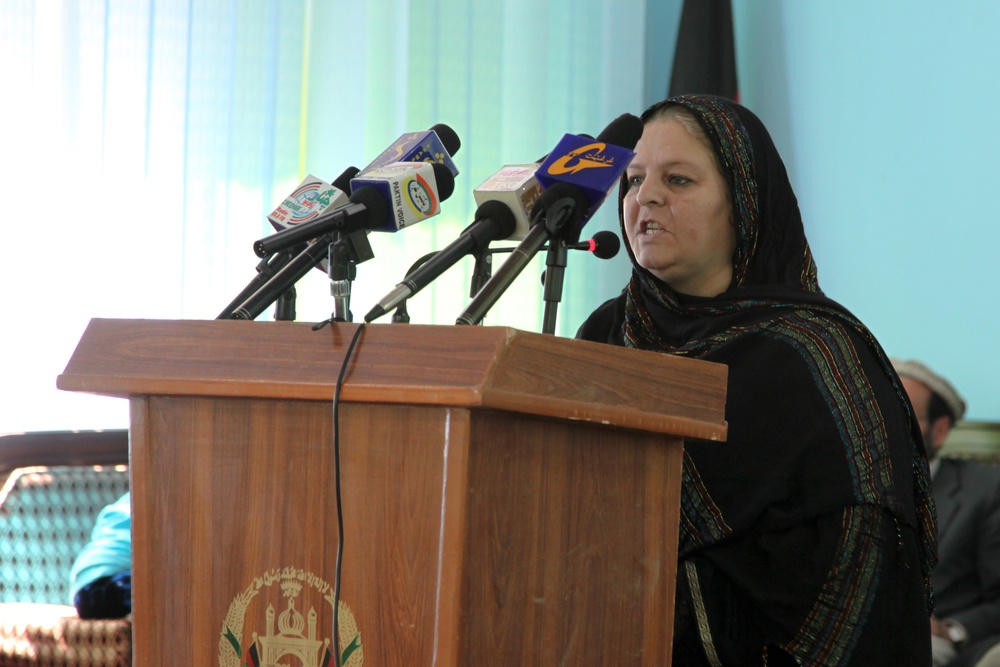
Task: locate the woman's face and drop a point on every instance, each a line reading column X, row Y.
column 678, row 214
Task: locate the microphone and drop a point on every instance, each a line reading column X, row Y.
column 494, row 221
column 438, row 144
column 311, row 198
column 413, row 191
column 422, row 198
column 592, row 170
column 366, row 204
column 593, row 167
column 380, row 200
column 435, row 145
column 515, row 186
column 562, row 203
column 576, row 176
column 603, row 245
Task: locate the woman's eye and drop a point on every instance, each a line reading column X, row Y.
column 634, row 181
column 679, row 180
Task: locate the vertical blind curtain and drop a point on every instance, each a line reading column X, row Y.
column 144, row 142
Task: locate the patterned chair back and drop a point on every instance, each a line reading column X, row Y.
column 46, row 517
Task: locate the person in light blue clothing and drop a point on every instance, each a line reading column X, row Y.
column 101, row 577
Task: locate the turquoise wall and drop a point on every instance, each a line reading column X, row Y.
column 886, row 115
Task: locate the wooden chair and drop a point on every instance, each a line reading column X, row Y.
column 54, row 485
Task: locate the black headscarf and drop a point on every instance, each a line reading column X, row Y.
column 772, row 266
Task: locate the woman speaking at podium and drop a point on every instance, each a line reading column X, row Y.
column 807, row 538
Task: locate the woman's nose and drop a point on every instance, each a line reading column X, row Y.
column 649, row 193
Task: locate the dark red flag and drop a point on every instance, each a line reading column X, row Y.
column 705, row 56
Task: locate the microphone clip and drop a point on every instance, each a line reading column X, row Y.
column 560, row 209
column 345, row 253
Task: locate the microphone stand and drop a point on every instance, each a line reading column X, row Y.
column 401, row 315
column 266, row 269
column 482, row 271
column 563, row 230
column 559, row 222
column 555, row 262
column 345, row 253
column 480, row 275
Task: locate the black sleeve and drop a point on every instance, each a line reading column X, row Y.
column 605, row 324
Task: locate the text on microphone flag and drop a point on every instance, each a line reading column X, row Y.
column 593, row 167
column 576, row 160
column 312, row 197
column 516, row 186
column 411, row 187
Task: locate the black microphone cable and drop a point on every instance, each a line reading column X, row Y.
column 348, row 356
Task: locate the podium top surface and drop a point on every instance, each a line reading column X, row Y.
column 496, row 368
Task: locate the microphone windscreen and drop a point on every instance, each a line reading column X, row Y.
column 444, row 179
column 343, row 182
column 410, row 192
column 502, row 217
column 624, row 131
column 606, row 244
column 559, row 194
column 448, row 137
column 374, row 201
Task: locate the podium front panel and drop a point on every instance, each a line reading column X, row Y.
column 471, row 536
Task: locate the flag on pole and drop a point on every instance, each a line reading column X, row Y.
column 705, row 55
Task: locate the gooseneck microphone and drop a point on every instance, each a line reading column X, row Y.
column 603, row 245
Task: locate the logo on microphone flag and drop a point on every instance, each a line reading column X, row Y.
column 592, row 166
column 410, row 189
column 312, row 197
column 420, row 197
column 414, row 147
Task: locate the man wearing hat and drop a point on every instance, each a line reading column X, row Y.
column 966, row 622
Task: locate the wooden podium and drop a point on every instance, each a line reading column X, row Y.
column 508, row 498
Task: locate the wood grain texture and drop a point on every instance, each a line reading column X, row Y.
column 234, row 489
column 470, row 537
column 508, row 498
column 571, row 550
column 491, row 367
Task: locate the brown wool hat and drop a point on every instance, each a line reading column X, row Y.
column 911, row 368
